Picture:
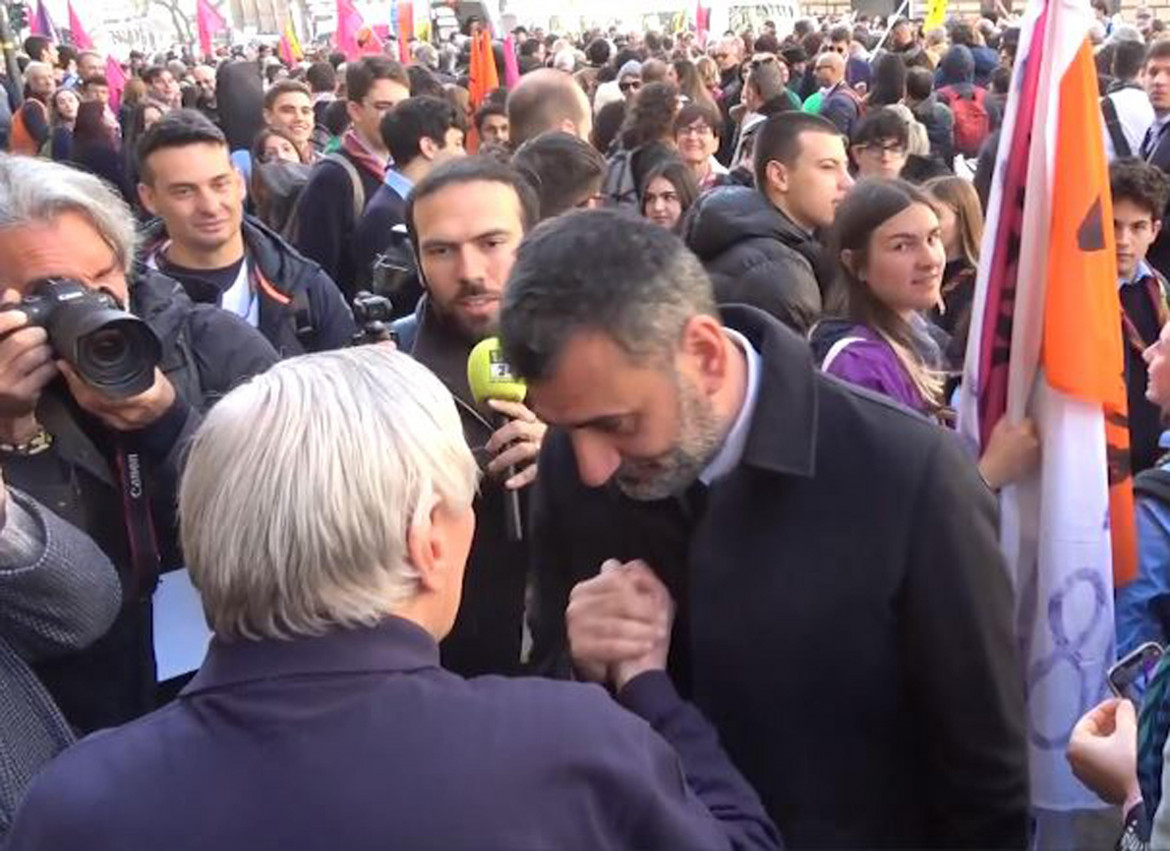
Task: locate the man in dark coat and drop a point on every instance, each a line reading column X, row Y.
column 844, row 613
column 841, row 104
column 342, row 184
column 759, row 245
column 466, row 219
column 321, row 718
column 1155, row 147
column 419, row 133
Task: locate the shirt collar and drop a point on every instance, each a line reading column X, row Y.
column 399, row 182
column 731, row 452
column 1142, row 271
column 393, row 644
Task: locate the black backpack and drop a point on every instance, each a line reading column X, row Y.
column 619, row 186
column 277, row 186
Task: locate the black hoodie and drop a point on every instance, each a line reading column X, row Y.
column 756, row 255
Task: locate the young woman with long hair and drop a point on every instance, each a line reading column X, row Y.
column 891, row 255
column 888, row 244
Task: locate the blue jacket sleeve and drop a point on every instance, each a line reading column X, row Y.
column 1139, row 604
column 715, row 807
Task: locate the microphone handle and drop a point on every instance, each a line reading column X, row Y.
column 513, row 524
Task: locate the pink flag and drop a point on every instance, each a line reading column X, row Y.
column 210, row 22
column 116, row 77
column 349, row 22
column 81, row 39
column 511, row 66
column 702, row 21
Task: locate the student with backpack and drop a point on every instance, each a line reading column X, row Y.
column 1125, row 107
column 342, row 183
column 420, row 133
column 840, row 104
column 969, row 104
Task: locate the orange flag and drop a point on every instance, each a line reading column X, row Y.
column 1082, row 350
column 485, row 79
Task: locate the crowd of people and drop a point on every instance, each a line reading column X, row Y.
column 736, row 274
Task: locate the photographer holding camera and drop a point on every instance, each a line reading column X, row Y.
column 95, row 403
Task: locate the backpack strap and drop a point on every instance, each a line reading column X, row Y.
column 355, row 179
column 836, row 349
column 1153, row 483
column 1113, row 125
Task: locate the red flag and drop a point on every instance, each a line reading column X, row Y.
column 209, row 22
column 116, row 77
column 79, row 36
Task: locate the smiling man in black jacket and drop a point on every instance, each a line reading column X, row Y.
column 844, row 614
column 203, row 240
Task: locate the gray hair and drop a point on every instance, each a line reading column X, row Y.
column 426, row 54
column 603, row 271
column 32, row 67
column 36, row 190
column 301, row 488
column 565, row 60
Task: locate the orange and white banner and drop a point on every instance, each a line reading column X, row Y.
column 1046, row 343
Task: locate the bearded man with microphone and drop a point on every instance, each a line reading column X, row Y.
column 466, row 219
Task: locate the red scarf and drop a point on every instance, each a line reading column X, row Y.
column 361, row 154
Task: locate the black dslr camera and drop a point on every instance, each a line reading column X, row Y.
column 114, row 351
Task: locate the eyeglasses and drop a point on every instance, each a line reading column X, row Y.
column 761, row 61
column 630, row 85
column 699, row 128
column 893, row 149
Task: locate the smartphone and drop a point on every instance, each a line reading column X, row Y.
column 1130, row 677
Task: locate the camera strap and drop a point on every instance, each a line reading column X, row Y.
column 144, row 555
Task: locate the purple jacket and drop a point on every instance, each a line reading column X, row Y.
column 869, row 361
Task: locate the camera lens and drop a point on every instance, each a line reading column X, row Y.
column 106, row 347
column 117, row 358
